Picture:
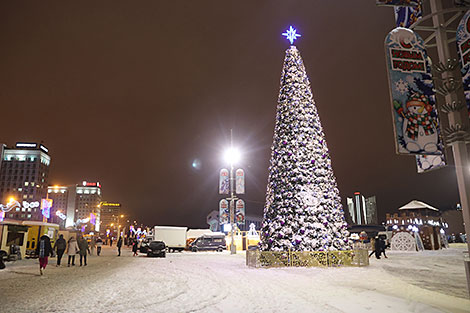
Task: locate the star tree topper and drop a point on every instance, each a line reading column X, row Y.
column 291, row 34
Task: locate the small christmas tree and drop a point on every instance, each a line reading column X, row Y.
column 303, row 210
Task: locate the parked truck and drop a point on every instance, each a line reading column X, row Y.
column 173, row 237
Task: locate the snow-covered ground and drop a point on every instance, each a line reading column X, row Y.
column 431, row 281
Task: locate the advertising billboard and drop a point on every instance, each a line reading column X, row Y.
column 46, row 205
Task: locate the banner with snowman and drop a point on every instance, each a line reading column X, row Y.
column 463, row 49
column 415, row 119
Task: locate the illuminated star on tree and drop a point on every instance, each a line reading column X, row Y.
column 291, row 34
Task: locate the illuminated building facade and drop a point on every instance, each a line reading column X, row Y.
column 110, row 212
column 79, row 203
column 363, row 211
column 59, row 196
column 23, row 177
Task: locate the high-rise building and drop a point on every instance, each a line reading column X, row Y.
column 80, row 204
column 59, row 196
column 363, row 211
column 110, row 212
column 23, row 177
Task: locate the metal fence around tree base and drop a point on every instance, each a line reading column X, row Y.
column 256, row 258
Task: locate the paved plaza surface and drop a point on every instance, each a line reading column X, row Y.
column 430, row 281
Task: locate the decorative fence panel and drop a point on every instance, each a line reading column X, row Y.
column 256, row 258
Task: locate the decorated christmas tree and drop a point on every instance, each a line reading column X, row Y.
column 303, row 210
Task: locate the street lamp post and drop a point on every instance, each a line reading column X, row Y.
column 119, row 225
column 233, row 248
column 232, row 156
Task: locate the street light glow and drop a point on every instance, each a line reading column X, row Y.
column 232, row 155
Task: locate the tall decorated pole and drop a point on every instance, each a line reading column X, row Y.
column 303, row 210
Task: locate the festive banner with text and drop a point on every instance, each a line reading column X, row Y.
column 224, row 183
column 240, row 212
column 240, row 181
column 463, row 49
column 224, row 212
column 415, row 119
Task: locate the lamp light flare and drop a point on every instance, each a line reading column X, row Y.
column 232, row 155
column 196, row 164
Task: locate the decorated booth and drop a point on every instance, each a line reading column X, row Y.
column 418, row 226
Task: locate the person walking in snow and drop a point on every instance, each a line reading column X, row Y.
column 43, row 250
column 92, row 245
column 135, row 247
column 119, row 245
column 60, row 246
column 99, row 244
column 72, row 249
column 377, row 247
column 83, row 249
column 383, row 246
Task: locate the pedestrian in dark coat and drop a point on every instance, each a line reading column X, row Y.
column 135, row 247
column 83, row 247
column 119, row 245
column 59, row 247
column 43, row 250
column 383, row 246
column 377, row 248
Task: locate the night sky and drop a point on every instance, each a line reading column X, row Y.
column 131, row 93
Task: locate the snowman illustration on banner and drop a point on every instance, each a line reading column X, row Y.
column 419, row 126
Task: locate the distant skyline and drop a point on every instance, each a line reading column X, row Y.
column 130, row 95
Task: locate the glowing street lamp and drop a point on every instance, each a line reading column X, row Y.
column 232, row 155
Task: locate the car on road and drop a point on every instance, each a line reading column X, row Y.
column 144, row 245
column 209, row 242
column 156, row 248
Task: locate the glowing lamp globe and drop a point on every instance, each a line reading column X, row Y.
column 232, row 155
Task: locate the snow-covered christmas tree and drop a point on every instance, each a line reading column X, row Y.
column 303, row 210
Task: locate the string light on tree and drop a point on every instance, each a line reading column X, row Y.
column 303, row 210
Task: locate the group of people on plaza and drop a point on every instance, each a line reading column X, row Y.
column 71, row 248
